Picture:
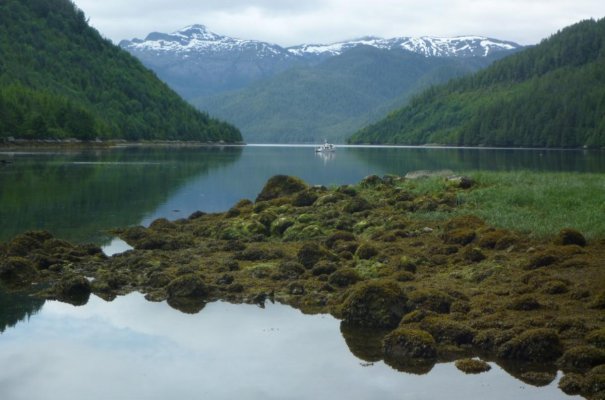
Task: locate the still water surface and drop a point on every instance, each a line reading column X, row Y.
column 134, row 349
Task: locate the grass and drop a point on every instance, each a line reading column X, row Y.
column 535, row 203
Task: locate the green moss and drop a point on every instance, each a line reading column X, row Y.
column 376, row 304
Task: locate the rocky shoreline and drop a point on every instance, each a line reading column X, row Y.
column 429, row 290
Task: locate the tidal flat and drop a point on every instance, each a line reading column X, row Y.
column 411, row 266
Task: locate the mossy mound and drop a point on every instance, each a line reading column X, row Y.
column 280, row 186
column 17, row 271
column 403, row 343
column 570, row 236
column 73, row 289
column 187, row 286
column 374, row 304
column 430, row 300
column 582, row 358
column 344, row 277
column 597, row 338
column 534, row 345
column 366, row 251
column 472, row 366
column 447, row 331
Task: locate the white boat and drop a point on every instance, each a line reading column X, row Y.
column 325, row 148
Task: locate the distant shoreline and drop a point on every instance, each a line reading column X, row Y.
column 78, row 144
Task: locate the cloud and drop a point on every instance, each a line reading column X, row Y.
column 290, row 22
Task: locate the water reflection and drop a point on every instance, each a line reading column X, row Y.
column 131, row 349
column 80, row 195
column 17, row 307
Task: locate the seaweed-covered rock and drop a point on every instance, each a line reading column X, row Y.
column 445, row 330
column 541, row 260
column 356, row 204
column 344, row 277
column 24, row 244
column 572, row 384
column 472, row 366
column 570, row 236
column 525, row 302
column 430, row 300
column 290, row 270
column 74, row 289
column 366, row 251
column 582, row 357
column 534, row 345
column 403, row 343
column 280, row 225
column 323, row 267
column 473, row 254
column 279, row 186
column 189, row 285
column 309, row 254
column 538, row 378
column 492, row 339
column 597, row 338
column 305, row 198
column 375, row 304
column 17, row 271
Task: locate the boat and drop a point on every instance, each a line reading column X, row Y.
column 325, row 148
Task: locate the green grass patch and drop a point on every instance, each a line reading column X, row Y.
column 536, row 203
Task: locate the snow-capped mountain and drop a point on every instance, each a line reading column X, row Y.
column 198, row 39
column 197, row 62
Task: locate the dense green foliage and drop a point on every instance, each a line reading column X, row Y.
column 59, row 78
column 336, row 97
column 551, row 95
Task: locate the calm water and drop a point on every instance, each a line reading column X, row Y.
column 133, row 349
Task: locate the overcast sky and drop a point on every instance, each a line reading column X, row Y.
column 291, row 22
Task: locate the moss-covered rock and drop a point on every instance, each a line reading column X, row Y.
column 280, row 186
column 17, row 271
column 24, row 244
column 473, row 254
column 375, row 304
column 572, row 384
column 445, row 330
column 582, row 357
column 525, row 302
column 599, row 301
column 323, row 267
column 461, row 236
column 73, row 289
column 535, row 345
column 290, row 270
column 356, row 204
column 430, row 300
column 281, row 224
column 309, row 254
column 570, row 236
column 404, row 343
column 366, row 251
column 344, row 277
column 540, row 260
column 472, row 366
column 189, row 285
column 306, row 198
column 597, row 338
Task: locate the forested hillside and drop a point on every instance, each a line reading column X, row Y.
column 60, row 79
column 551, row 95
column 336, row 97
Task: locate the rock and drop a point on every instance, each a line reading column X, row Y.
column 280, row 186
column 290, row 270
column 344, row 277
column 189, row 285
column 597, row 338
column 582, row 357
column 17, row 271
column 572, row 384
column 534, row 345
column 366, row 251
column 445, row 330
column 541, row 260
column 422, row 174
column 524, row 303
column 356, row 204
column 323, row 267
column 374, row 304
column 570, row 236
column 473, row 254
column 430, row 300
column 462, row 182
column 403, row 343
column 472, row 366
column 309, row 254
column 305, row 198
column 539, row 379
column 296, row 289
column 74, row 289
